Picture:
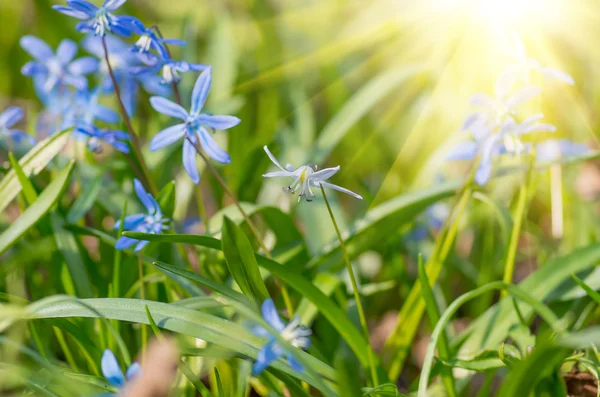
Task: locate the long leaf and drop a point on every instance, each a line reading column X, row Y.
column 31, row 164
column 38, row 209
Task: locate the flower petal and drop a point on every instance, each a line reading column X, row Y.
column 167, row 137
column 201, row 89
column 463, row 151
column 131, row 222
column 113, row 4
column 133, row 370
column 140, row 246
column 105, row 114
column 557, row 75
column 219, row 122
column 296, row 366
column 36, row 47
column 273, row 159
column 143, row 195
column 66, row 51
column 71, row 12
column 522, row 96
column 211, row 148
column 173, row 42
column 84, row 65
column 276, row 174
column 83, row 6
column 124, row 243
column 339, row 189
column 269, row 353
column 111, row 370
column 10, row 116
column 324, row 174
column 271, row 316
column 32, row 68
column 170, row 108
column 189, row 161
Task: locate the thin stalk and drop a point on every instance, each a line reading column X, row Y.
column 361, row 312
column 284, row 292
column 144, row 174
column 143, row 329
column 509, row 265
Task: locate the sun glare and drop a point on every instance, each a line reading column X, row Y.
column 516, row 12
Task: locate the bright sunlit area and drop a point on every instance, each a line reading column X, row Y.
column 282, row 198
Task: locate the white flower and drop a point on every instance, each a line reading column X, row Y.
column 306, row 177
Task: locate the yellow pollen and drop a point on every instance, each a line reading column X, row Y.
column 303, row 176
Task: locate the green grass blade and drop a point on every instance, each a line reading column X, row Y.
column 28, row 189
column 38, row 209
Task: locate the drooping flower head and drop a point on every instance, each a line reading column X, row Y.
column 8, row 118
column 150, row 222
column 195, row 127
column 294, row 333
column 55, row 70
column 123, row 63
column 98, row 20
column 306, row 177
column 113, row 373
column 150, row 40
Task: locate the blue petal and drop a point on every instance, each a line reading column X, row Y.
column 140, row 246
column 463, row 151
column 71, row 12
column 10, row 116
column 32, row 68
column 484, row 171
column 122, row 27
column 111, row 370
column 66, row 51
column 271, row 316
column 19, row 136
column 79, row 82
column 133, row 371
column 219, row 122
column 84, row 65
column 173, row 42
column 131, row 221
column 211, row 148
column 296, row 366
column 196, row 67
column 269, row 353
column 167, row 137
column 93, row 45
column 189, row 161
column 170, row 108
column 124, row 243
column 83, row 6
column 260, row 331
column 105, row 114
column 143, row 195
column 201, row 89
column 113, row 4
column 37, row 48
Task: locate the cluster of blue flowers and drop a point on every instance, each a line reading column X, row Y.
column 494, row 127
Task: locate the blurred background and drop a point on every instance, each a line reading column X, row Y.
column 380, row 87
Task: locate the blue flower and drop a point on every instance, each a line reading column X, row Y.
column 150, row 222
column 122, row 61
column 294, row 333
column 493, row 144
column 56, row 102
column 112, row 372
column 149, row 40
column 193, row 128
column 98, row 20
column 115, row 138
column 84, row 109
column 8, row 118
column 556, row 149
column 52, row 70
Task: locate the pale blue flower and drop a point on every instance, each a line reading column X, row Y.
column 294, row 333
column 306, row 177
column 150, row 222
column 194, row 128
column 8, row 118
column 52, row 70
column 85, row 109
column 505, row 140
column 97, row 136
column 150, row 40
column 98, row 20
column 168, row 68
column 113, row 373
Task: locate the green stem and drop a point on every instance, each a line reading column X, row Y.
column 509, row 265
column 143, row 173
column 361, row 312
